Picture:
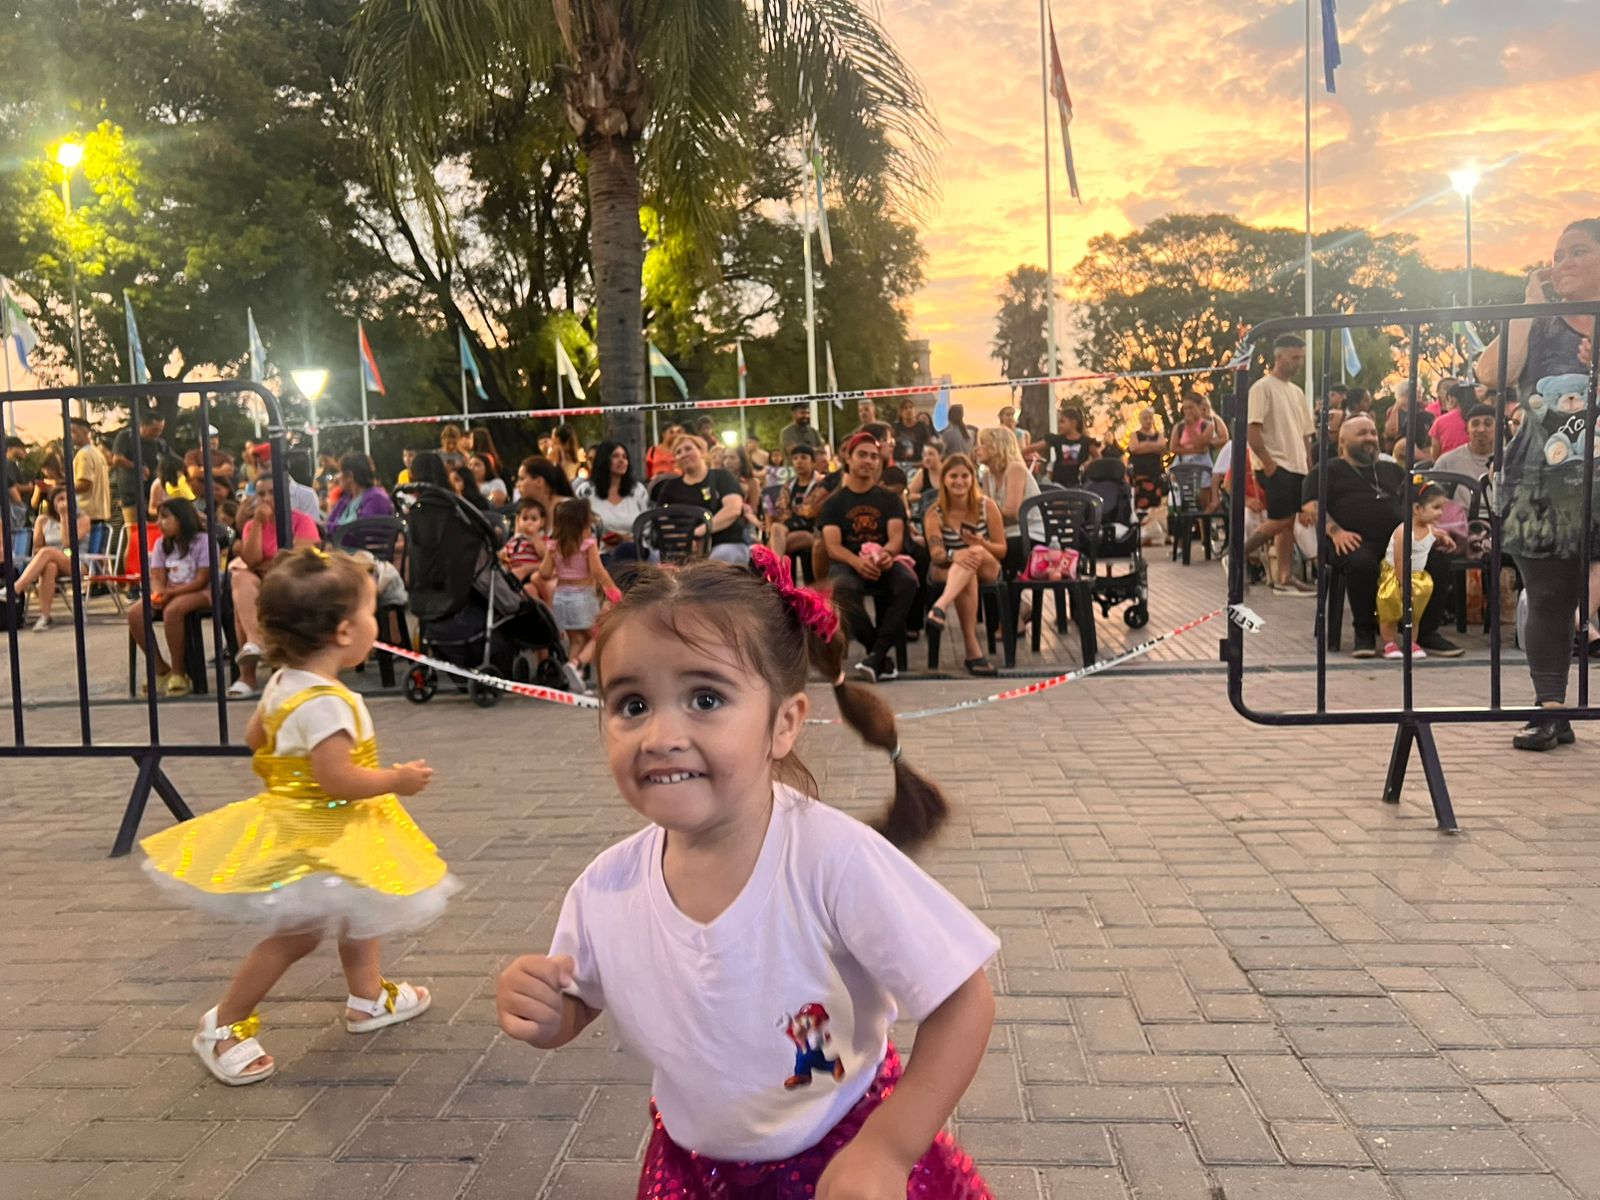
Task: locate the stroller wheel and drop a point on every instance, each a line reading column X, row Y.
column 420, row 685
column 1137, row 616
column 482, row 694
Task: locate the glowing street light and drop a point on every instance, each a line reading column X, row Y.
column 730, row 438
column 1464, row 181
column 311, row 381
column 68, row 155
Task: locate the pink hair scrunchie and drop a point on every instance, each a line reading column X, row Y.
column 808, row 604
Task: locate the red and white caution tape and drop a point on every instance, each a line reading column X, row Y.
column 531, row 690
column 1240, row 615
column 920, row 389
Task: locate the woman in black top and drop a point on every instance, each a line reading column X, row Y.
column 1147, row 447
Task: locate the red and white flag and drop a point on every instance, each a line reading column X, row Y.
column 1058, row 89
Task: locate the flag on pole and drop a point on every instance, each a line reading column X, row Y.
column 941, row 406
column 469, row 364
column 822, row 203
column 1464, row 329
column 744, row 371
column 568, row 371
column 833, row 380
column 136, row 363
column 660, row 368
column 1352, row 360
column 258, row 352
column 1331, row 58
column 14, row 323
column 369, row 365
column 1058, row 89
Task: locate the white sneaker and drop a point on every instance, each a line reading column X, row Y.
column 575, row 678
column 865, row 670
column 240, row 690
column 43, row 623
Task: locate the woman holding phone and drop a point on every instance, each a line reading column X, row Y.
column 967, row 541
column 1541, row 484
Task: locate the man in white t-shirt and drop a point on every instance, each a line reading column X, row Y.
column 1280, row 426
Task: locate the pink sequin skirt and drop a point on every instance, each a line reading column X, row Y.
column 945, row 1172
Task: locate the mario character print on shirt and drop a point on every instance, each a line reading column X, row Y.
column 808, row 1030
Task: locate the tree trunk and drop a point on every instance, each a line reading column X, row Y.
column 1036, row 416
column 617, row 247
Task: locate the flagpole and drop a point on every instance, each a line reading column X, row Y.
column 561, row 392
column 811, row 305
column 361, row 370
column 738, row 370
column 1049, row 219
column 1310, row 293
column 461, row 353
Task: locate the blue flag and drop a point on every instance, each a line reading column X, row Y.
column 1464, row 330
column 258, row 352
column 662, row 368
column 1352, row 361
column 136, row 363
column 941, row 407
column 1331, row 57
column 469, row 364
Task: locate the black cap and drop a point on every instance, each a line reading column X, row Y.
column 1480, row 410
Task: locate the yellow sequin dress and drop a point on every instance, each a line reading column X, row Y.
column 292, row 858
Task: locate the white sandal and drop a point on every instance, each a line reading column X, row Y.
column 229, row 1066
column 399, row 1002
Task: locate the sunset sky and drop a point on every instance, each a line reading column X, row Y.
column 1198, row 106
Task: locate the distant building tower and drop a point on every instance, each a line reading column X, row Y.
column 922, row 363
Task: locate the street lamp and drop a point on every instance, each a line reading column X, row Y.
column 730, row 438
column 310, row 381
column 68, row 155
column 1464, row 181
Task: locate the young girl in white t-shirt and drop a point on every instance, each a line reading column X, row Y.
column 326, row 850
column 1427, row 507
column 752, row 943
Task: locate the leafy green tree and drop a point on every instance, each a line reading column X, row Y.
column 1020, row 343
column 669, row 86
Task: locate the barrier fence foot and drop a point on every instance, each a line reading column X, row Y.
column 150, row 775
column 1419, row 733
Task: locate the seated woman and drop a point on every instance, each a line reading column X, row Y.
column 967, row 540
column 51, row 559
column 490, row 486
column 360, row 497
column 180, row 584
column 257, row 547
column 617, row 499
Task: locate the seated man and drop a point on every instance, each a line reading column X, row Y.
column 863, row 528
column 1365, row 503
column 792, row 527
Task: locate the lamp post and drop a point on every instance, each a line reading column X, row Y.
column 1464, row 181
column 68, row 155
column 310, row 382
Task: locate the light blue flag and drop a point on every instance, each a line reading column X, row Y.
column 14, row 323
column 661, row 368
column 470, row 364
column 258, row 352
column 141, row 373
column 941, row 409
column 833, row 378
column 1464, row 329
column 1352, row 360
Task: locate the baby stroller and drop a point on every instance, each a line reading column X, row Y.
column 470, row 610
column 1121, row 537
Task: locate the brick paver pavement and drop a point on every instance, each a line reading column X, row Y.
column 1228, row 972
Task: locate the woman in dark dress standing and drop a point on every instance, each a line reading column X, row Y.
column 1541, row 483
column 1147, row 447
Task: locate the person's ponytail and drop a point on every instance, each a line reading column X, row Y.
column 919, row 807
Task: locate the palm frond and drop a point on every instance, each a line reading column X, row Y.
column 423, row 68
column 699, row 56
column 833, row 61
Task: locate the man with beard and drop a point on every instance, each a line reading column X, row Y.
column 798, row 431
column 1367, row 499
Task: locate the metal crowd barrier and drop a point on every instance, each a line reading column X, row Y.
column 1414, row 725
column 149, row 751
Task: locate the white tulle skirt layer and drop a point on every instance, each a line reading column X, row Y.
column 320, row 903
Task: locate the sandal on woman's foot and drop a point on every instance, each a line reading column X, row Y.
column 398, row 1002
column 936, row 617
column 232, row 1066
column 981, row 666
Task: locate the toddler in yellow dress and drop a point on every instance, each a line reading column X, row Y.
column 326, row 850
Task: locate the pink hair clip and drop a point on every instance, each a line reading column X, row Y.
column 810, row 605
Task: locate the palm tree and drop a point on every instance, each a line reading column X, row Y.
column 666, row 86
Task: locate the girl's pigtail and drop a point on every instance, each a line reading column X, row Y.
column 919, row 807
